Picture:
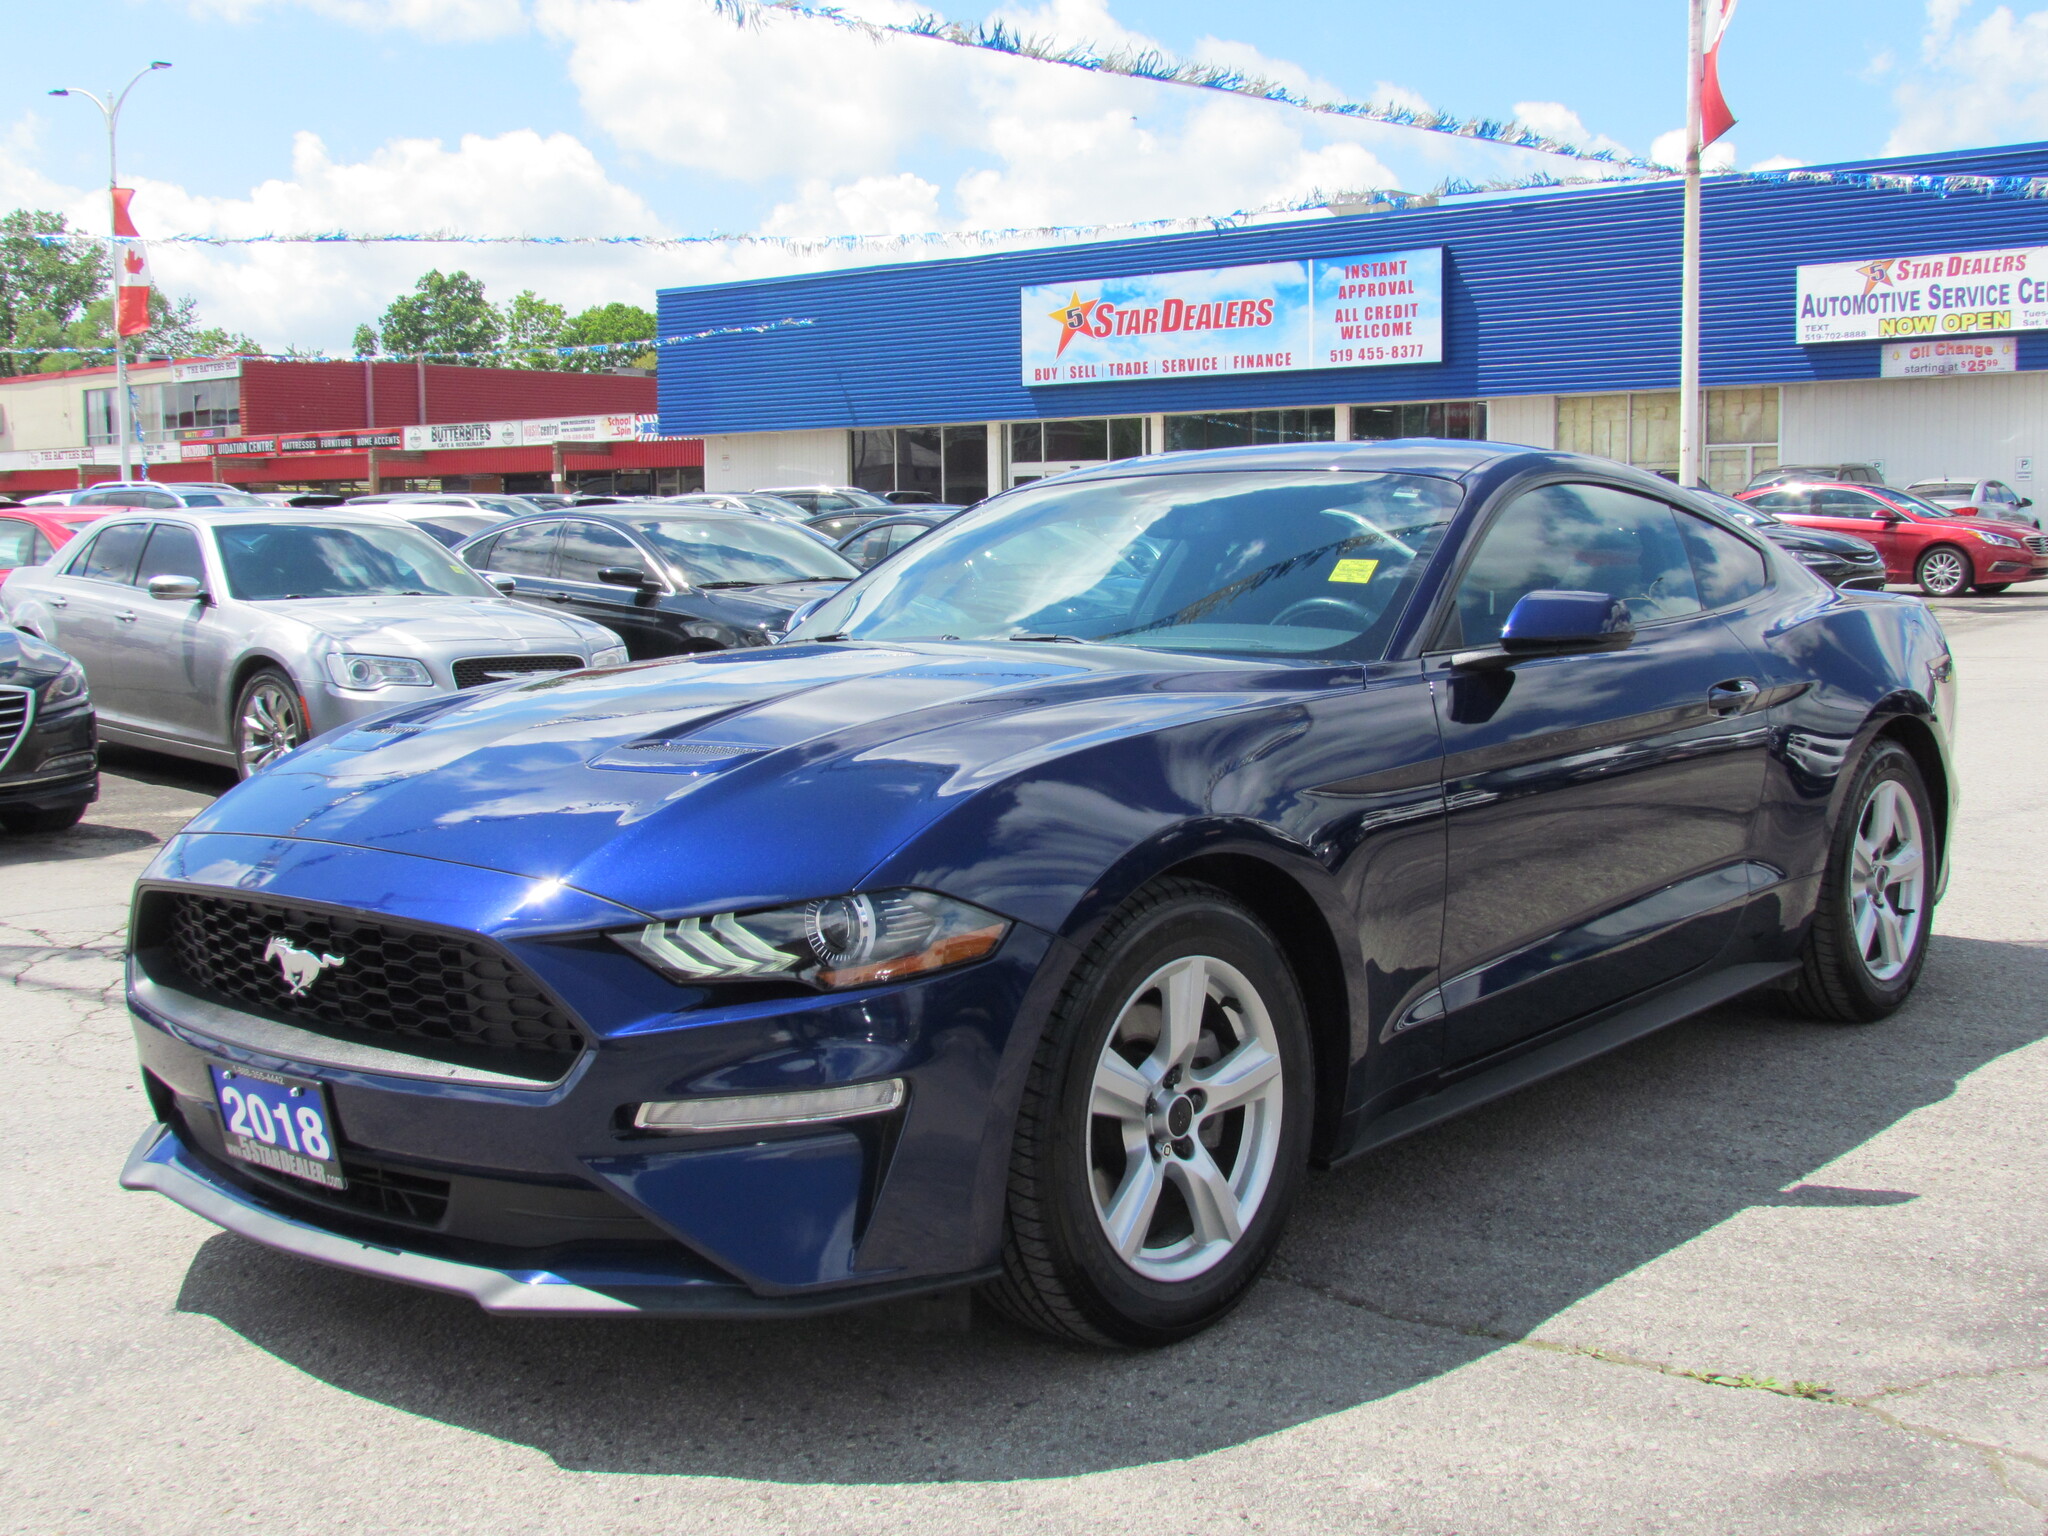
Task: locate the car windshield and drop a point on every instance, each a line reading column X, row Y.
column 267, row 562
column 1267, row 562
column 775, row 506
column 1950, row 488
column 736, row 550
column 1913, row 503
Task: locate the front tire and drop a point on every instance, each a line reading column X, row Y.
column 1942, row 571
column 269, row 721
column 1868, row 941
column 1164, row 1128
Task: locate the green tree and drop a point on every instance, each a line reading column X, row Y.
column 443, row 315
column 365, row 341
column 45, row 289
column 533, row 329
column 608, row 323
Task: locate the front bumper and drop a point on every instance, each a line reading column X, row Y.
column 545, row 1183
column 162, row 1162
column 56, row 765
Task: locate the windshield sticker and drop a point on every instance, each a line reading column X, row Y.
column 1354, row 570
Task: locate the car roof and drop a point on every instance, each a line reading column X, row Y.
column 1411, row 455
column 368, row 517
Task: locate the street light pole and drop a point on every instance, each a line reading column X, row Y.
column 110, row 109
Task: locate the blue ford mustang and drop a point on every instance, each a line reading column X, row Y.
column 1066, row 889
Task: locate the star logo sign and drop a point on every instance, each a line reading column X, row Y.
column 1073, row 318
column 1878, row 272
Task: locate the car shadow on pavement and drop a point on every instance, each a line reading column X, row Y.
column 1398, row 1268
column 88, row 840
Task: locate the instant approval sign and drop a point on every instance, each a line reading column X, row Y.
column 1897, row 298
column 1332, row 312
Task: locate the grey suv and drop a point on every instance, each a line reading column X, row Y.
column 233, row 636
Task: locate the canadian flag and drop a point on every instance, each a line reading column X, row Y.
column 1715, row 118
column 131, row 317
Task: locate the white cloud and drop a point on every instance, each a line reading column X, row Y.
column 1669, row 149
column 1986, row 84
column 463, row 19
column 874, row 205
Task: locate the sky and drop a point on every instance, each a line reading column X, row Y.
column 662, row 117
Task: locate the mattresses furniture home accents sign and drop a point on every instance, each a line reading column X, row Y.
column 1329, row 312
column 1950, row 294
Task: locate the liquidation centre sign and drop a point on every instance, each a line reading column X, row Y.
column 1331, row 312
column 1896, row 298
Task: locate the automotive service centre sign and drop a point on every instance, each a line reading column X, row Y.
column 1895, row 298
column 1331, row 312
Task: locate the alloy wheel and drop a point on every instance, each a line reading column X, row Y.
column 1887, row 880
column 1184, row 1119
column 271, row 725
column 1943, row 572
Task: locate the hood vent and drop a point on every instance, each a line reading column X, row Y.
column 676, row 753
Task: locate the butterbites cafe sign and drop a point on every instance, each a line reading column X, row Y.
column 1331, row 312
column 1896, row 298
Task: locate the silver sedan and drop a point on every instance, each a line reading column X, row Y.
column 232, row 637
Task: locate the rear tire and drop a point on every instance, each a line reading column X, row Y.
column 1868, row 941
column 1942, row 571
column 1164, row 1128
column 26, row 823
column 269, row 720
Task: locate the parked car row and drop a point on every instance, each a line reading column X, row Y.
column 1940, row 549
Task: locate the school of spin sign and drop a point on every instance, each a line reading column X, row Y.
column 1331, row 312
column 1896, row 298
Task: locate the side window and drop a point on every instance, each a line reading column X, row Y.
column 93, row 499
column 17, row 543
column 868, row 548
column 1845, row 504
column 43, row 550
column 113, row 554
column 901, row 534
column 588, row 548
column 1577, row 538
column 129, row 496
column 201, row 499
column 1781, row 502
column 528, row 551
column 479, row 553
column 1729, row 569
column 172, row 551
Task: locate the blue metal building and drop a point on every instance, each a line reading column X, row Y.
column 1559, row 327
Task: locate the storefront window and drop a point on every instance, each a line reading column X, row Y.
column 201, row 408
column 1464, row 420
column 1237, row 429
column 1080, row 440
column 947, row 463
column 1642, row 429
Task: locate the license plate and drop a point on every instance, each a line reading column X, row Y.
column 277, row 1122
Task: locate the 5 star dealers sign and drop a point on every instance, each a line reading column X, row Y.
column 1331, row 312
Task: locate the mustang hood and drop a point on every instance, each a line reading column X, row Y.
column 367, row 622
column 737, row 778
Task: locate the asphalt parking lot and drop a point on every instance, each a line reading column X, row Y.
column 1750, row 1275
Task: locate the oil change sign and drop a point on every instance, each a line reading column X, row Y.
column 1896, row 298
column 1332, row 312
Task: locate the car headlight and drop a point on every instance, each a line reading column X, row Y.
column 610, row 656
column 67, row 689
column 1813, row 557
column 1996, row 538
column 371, row 672
column 841, row 941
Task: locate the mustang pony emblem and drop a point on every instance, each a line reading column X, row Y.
column 301, row 967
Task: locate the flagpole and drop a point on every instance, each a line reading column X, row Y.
column 1689, row 281
column 110, row 109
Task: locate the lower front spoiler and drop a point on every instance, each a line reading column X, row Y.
column 161, row 1162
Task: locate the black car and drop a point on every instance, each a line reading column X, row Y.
column 1839, row 558
column 667, row 581
column 49, row 766
column 875, row 540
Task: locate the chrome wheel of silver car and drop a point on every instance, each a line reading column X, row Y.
column 1185, row 1118
column 1943, row 572
column 1887, row 879
column 269, row 722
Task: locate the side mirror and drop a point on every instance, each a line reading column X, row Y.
column 2024, row 501
column 504, row 584
column 1556, row 624
column 625, row 576
column 176, row 589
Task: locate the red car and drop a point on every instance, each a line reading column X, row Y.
column 30, row 535
column 1940, row 550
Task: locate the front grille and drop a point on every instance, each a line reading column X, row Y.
column 475, row 671
column 435, row 993
column 2038, row 543
column 14, row 708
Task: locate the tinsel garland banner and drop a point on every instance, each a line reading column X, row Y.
column 1373, row 200
column 598, row 348
column 1163, row 69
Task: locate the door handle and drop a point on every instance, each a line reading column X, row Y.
column 558, row 597
column 60, row 602
column 1733, row 697
column 125, row 616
